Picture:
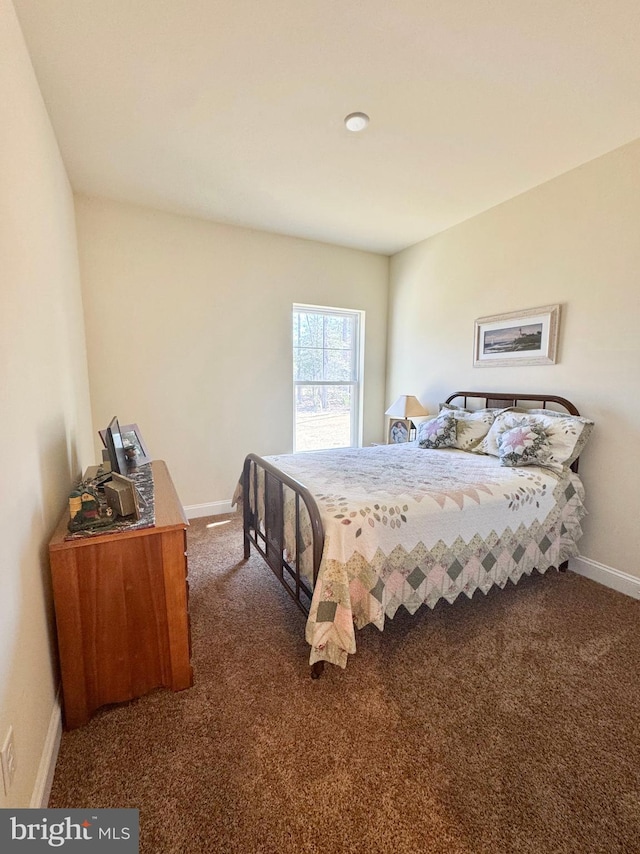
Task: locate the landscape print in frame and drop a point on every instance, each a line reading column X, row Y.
column 527, row 337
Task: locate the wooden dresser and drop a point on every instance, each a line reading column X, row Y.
column 121, row 604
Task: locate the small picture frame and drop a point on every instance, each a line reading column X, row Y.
column 399, row 431
column 122, row 496
column 135, row 448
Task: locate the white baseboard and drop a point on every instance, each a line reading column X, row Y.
column 214, row 508
column 614, row 578
column 47, row 767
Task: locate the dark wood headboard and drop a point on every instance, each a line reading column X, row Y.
column 493, row 399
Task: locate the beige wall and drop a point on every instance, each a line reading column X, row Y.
column 44, row 398
column 189, row 334
column 572, row 241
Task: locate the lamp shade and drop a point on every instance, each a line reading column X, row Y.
column 406, row 406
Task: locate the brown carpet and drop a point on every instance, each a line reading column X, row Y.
column 506, row 724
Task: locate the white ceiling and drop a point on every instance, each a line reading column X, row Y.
column 232, row 110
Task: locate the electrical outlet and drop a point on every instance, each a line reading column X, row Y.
column 8, row 756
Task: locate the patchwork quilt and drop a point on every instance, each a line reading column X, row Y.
column 408, row 526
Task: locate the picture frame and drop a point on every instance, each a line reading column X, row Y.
column 132, row 438
column 517, row 338
column 122, row 496
column 399, row 430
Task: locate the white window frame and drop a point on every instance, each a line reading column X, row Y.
column 356, row 383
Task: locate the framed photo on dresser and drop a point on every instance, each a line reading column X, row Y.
column 399, row 430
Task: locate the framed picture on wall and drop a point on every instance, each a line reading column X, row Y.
column 399, row 430
column 528, row 337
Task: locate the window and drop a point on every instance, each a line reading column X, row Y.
column 327, row 367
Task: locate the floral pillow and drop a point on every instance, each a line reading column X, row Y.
column 524, row 446
column 438, row 432
column 567, row 434
column 507, row 419
column 471, row 425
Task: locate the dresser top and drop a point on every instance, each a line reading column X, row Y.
column 168, row 511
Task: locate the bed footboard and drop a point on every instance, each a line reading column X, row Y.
column 264, row 491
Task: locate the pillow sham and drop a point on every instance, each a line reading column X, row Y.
column 524, row 446
column 567, row 434
column 471, row 425
column 439, row 432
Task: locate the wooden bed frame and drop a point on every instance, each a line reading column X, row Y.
column 267, row 534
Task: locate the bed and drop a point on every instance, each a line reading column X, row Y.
column 354, row 534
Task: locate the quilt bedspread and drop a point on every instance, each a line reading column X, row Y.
column 407, row 526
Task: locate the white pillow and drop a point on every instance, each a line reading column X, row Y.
column 568, row 434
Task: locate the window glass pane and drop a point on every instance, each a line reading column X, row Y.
column 316, row 364
column 322, row 417
column 339, row 331
column 337, row 365
column 307, row 364
column 309, row 329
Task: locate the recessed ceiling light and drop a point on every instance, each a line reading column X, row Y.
column 356, row 121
